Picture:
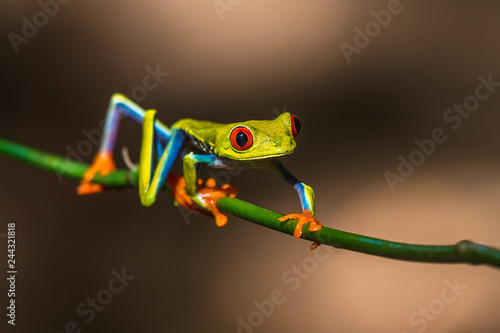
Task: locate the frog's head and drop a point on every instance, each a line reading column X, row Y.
column 258, row 139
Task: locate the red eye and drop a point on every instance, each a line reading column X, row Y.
column 241, row 138
column 295, row 125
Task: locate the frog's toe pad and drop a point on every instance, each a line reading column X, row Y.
column 305, row 217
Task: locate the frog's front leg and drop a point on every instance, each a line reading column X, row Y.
column 205, row 195
column 306, row 195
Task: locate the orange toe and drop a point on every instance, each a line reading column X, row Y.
column 89, row 188
column 103, row 164
column 303, row 218
column 314, row 246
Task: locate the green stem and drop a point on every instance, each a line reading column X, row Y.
column 64, row 167
column 462, row 252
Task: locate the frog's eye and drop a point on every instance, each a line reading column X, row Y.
column 295, row 125
column 241, row 138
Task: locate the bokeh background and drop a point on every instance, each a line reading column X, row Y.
column 252, row 60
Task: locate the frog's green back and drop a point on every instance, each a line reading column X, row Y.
column 201, row 133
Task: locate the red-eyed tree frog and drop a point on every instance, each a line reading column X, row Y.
column 249, row 144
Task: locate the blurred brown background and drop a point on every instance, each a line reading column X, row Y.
column 246, row 60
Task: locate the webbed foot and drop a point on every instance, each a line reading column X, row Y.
column 206, row 197
column 305, row 217
column 103, row 164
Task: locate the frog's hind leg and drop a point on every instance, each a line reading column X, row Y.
column 149, row 187
column 119, row 107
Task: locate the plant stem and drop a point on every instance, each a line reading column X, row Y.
column 64, row 167
column 462, row 252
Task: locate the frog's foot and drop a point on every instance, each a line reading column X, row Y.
column 206, row 197
column 305, row 217
column 103, row 164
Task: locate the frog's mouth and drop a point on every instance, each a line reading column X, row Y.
column 257, row 152
column 243, row 157
column 264, row 157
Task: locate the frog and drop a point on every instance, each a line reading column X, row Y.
column 255, row 144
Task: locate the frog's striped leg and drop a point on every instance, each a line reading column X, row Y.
column 305, row 192
column 206, row 196
column 119, row 107
column 306, row 195
column 148, row 188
